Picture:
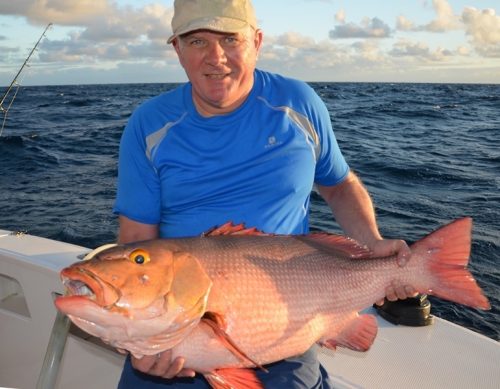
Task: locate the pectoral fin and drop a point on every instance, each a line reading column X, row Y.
column 190, row 281
column 234, row 379
column 216, row 323
column 357, row 335
column 187, row 299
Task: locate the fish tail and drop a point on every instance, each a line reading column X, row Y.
column 447, row 251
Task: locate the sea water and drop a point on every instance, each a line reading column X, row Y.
column 428, row 154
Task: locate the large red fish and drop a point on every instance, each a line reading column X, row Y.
column 236, row 298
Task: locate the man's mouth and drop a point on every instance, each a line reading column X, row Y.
column 216, row 76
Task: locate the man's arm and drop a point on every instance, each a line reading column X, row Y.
column 132, row 231
column 353, row 210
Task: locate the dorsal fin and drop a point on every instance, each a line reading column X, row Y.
column 230, row 228
column 337, row 245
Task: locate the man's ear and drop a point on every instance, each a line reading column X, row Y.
column 259, row 36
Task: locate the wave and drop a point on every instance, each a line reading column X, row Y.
column 426, row 152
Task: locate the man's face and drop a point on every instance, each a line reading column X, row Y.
column 220, row 67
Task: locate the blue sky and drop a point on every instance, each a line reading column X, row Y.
column 109, row 41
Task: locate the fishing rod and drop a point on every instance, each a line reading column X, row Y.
column 16, row 84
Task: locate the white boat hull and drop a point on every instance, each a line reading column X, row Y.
column 443, row 355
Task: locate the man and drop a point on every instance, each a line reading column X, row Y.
column 234, row 143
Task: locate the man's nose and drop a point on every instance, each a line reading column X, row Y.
column 215, row 54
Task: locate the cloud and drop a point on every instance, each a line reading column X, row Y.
column 340, row 16
column 484, row 29
column 18, row 7
column 152, row 21
column 293, row 50
column 101, row 30
column 369, row 28
column 446, row 19
column 463, row 51
column 294, row 40
column 406, row 48
column 369, row 51
column 62, row 12
column 6, row 50
column 104, row 38
column 404, row 24
column 99, row 19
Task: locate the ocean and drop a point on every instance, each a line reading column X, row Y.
column 428, row 154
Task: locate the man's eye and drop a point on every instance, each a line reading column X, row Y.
column 230, row 40
column 196, row 42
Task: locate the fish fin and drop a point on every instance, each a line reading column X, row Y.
column 216, row 323
column 234, row 379
column 191, row 283
column 338, row 245
column 448, row 250
column 357, row 335
column 188, row 295
column 230, row 228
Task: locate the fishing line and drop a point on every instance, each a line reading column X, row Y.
column 16, row 82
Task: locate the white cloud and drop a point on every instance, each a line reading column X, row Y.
column 294, row 40
column 293, row 50
column 463, row 51
column 406, row 48
column 369, row 51
column 102, row 31
column 484, row 29
column 404, row 24
column 422, row 51
column 62, row 12
column 17, row 7
column 446, row 19
column 103, row 38
column 369, row 28
column 340, row 16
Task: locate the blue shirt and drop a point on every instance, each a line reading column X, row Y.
column 255, row 165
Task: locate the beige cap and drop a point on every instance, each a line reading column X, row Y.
column 216, row 15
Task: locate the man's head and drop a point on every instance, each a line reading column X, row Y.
column 217, row 43
column 231, row 16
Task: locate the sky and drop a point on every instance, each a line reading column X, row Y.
column 122, row 41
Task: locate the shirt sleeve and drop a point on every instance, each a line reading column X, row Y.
column 138, row 188
column 331, row 166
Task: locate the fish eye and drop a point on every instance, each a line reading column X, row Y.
column 139, row 256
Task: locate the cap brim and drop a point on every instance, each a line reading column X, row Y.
column 228, row 25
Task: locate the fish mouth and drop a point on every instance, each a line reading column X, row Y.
column 81, row 282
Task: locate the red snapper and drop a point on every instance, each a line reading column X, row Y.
column 236, row 298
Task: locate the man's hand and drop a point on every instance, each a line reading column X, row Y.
column 388, row 247
column 161, row 365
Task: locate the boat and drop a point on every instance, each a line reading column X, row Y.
column 441, row 355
